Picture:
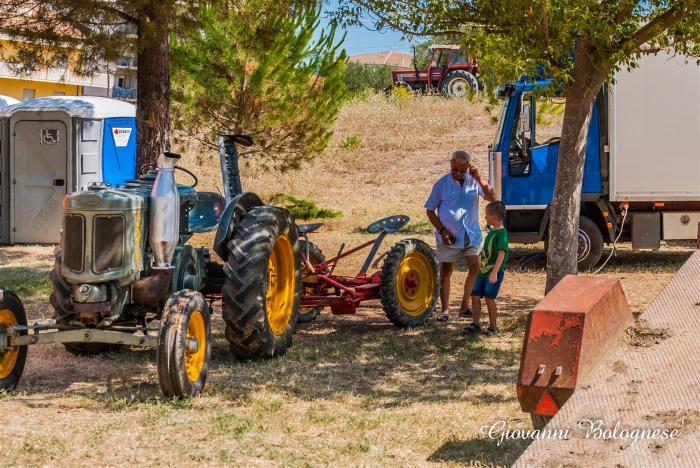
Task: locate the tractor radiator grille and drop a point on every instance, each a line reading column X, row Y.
column 108, row 243
column 73, row 242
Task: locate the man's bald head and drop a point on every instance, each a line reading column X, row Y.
column 461, row 156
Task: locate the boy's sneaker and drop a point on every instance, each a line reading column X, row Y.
column 490, row 331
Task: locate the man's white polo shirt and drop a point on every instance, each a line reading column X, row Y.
column 458, row 208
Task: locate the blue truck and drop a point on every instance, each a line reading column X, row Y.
column 642, row 153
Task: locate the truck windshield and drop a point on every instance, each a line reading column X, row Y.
column 501, row 121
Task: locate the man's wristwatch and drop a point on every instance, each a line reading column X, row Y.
column 441, row 229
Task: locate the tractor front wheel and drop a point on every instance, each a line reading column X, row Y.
column 184, row 344
column 12, row 360
column 308, row 281
column 262, row 286
column 409, row 283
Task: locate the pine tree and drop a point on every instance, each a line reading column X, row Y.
column 256, row 69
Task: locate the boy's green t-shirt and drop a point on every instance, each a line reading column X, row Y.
column 495, row 240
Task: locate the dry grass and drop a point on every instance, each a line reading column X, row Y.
column 353, row 390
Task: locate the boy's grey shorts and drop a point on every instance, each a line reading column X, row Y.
column 447, row 254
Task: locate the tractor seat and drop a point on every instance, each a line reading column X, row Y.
column 390, row 224
column 309, row 228
column 206, row 212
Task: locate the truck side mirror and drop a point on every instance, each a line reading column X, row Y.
column 525, row 118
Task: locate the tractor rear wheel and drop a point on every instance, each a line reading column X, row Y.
column 62, row 304
column 262, row 286
column 11, row 361
column 316, row 257
column 458, row 84
column 184, row 344
column 409, row 285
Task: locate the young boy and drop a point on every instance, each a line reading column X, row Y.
column 493, row 266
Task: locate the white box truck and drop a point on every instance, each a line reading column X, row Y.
column 643, row 149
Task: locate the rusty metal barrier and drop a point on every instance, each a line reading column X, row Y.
column 567, row 334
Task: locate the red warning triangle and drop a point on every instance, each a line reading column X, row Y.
column 547, row 406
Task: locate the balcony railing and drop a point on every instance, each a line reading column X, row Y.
column 124, row 93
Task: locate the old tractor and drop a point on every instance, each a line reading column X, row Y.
column 407, row 284
column 124, row 263
column 450, row 71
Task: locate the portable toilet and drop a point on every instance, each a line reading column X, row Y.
column 55, row 145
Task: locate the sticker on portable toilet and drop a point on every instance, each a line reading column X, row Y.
column 49, row 136
column 121, row 136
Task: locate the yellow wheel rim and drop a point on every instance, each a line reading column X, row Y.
column 280, row 285
column 194, row 362
column 415, row 284
column 9, row 358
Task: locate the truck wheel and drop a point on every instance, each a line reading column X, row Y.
column 262, row 286
column 539, row 421
column 309, row 314
column 184, row 344
column 590, row 244
column 409, row 284
column 457, row 84
column 62, row 302
column 11, row 361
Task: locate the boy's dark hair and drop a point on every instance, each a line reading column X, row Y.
column 497, row 208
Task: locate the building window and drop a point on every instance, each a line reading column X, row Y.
column 59, row 93
column 27, row 94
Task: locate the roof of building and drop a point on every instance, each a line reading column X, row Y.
column 87, row 107
column 399, row 59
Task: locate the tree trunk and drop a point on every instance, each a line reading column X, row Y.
column 587, row 77
column 153, row 78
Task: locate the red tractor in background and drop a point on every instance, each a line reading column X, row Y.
column 450, row 71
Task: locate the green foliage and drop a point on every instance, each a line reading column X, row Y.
column 359, row 77
column 257, row 69
column 302, row 209
column 514, row 37
column 549, row 112
column 401, row 93
column 351, row 142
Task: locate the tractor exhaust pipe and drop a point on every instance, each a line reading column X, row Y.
column 165, row 212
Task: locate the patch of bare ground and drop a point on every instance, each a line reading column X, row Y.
column 353, row 390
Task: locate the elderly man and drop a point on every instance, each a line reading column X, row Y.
column 453, row 208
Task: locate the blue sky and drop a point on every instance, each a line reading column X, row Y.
column 362, row 41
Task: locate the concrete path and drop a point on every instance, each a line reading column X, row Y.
column 643, row 388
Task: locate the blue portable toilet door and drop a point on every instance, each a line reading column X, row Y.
column 119, row 150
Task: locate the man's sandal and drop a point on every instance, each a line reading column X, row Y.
column 466, row 314
column 472, row 329
column 490, row 331
column 443, row 317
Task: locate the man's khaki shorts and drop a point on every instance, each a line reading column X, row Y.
column 447, row 254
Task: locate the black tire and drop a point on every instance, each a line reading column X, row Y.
column 458, row 84
column 12, row 362
column 409, row 305
column 539, row 421
column 315, row 256
column 61, row 299
column 264, row 236
column 590, row 244
column 183, row 372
